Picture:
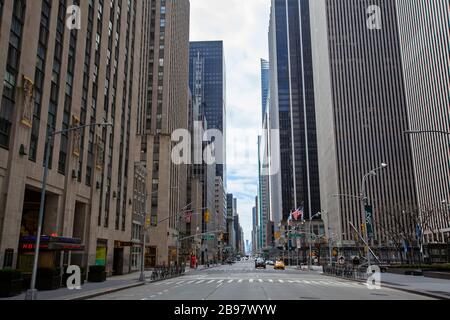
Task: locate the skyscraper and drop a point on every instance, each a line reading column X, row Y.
column 164, row 107
column 265, row 81
column 56, row 78
column 424, row 37
column 362, row 116
column 209, row 57
column 292, row 110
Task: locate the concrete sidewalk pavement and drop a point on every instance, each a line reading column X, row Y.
column 92, row 289
column 438, row 288
column 112, row 284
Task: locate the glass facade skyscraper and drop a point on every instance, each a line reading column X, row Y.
column 265, row 81
column 292, row 110
column 210, row 55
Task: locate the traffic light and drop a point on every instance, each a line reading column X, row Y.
column 207, row 216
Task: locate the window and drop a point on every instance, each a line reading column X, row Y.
column 12, row 70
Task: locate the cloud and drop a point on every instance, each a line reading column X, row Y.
column 243, row 26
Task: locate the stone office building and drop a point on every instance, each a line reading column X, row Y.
column 55, row 78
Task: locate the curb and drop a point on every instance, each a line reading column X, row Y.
column 115, row 289
column 394, row 287
column 104, row 292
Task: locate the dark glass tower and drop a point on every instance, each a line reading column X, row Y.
column 292, row 108
column 210, row 56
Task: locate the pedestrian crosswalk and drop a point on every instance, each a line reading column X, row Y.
column 212, row 281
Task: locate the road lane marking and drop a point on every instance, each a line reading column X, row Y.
column 201, row 281
column 251, row 280
column 307, row 282
column 260, row 280
column 281, row 281
column 191, row 282
column 240, row 280
column 230, row 281
column 270, row 280
column 211, row 281
column 220, row 281
column 180, row 282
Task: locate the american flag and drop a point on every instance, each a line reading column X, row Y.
column 297, row 213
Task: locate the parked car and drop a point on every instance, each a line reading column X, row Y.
column 270, row 263
column 279, row 265
column 260, row 263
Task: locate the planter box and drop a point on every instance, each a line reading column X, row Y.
column 10, row 283
column 407, row 272
column 10, row 288
column 437, row 275
column 97, row 276
column 47, row 283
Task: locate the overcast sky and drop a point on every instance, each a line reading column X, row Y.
column 243, row 26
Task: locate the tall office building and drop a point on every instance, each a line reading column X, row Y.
column 292, row 110
column 163, row 107
column 424, row 37
column 362, row 116
column 55, row 78
column 265, row 82
column 208, row 58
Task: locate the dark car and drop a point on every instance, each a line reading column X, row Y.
column 260, row 263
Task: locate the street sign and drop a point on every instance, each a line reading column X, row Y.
column 208, row 237
column 369, row 220
column 341, row 260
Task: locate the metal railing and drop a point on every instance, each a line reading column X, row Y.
column 348, row 272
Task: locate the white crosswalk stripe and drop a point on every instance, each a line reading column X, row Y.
column 280, row 281
column 230, row 281
column 201, row 281
column 211, row 281
column 251, row 280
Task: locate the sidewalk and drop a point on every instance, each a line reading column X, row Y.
column 430, row 287
column 438, row 288
column 112, row 284
column 92, row 289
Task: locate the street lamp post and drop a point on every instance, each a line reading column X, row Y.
column 31, row 293
column 365, row 202
column 311, row 217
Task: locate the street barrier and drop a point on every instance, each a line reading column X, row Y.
column 348, row 272
column 163, row 272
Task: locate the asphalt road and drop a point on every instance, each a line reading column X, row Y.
column 242, row 282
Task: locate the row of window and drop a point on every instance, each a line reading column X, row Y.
column 12, row 69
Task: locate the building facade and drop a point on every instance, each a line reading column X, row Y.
column 163, row 108
column 208, row 58
column 362, row 107
column 55, row 78
column 265, row 83
column 424, row 32
column 292, row 110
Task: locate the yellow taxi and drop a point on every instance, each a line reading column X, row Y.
column 279, row 265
